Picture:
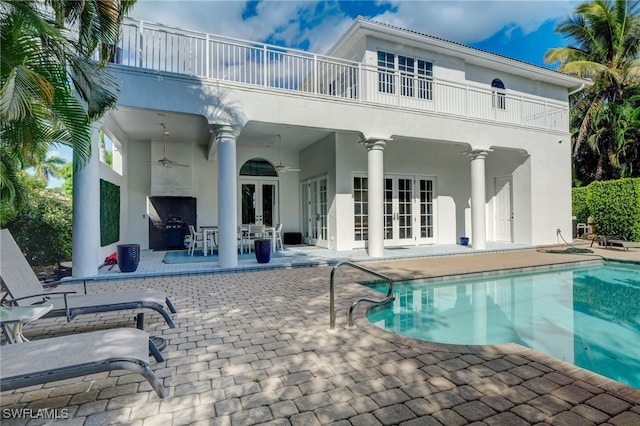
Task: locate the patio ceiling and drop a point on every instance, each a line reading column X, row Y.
column 144, row 124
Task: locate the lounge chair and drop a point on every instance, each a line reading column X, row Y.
column 24, row 288
column 615, row 242
column 47, row 360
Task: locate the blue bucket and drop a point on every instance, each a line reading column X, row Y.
column 464, row 241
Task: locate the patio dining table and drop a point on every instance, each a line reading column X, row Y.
column 210, row 235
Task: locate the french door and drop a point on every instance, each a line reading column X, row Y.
column 314, row 211
column 409, row 210
column 398, row 211
column 258, row 202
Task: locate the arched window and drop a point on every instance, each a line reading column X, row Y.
column 499, row 98
column 258, row 167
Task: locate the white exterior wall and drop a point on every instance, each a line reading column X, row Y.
column 138, row 172
column 319, row 160
column 538, row 215
column 444, row 66
column 351, row 160
column 514, row 84
column 288, row 184
column 204, row 187
column 548, row 165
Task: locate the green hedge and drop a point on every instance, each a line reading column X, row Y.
column 615, row 207
column 579, row 204
column 109, row 213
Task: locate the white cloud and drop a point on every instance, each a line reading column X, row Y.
column 320, row 24
column 473, row 21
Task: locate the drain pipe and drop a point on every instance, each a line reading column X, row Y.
column 579, row 89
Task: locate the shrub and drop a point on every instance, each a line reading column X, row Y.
column 579, row 204
column 615, row 207
column 42, row 229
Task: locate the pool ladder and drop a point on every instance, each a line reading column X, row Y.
column 332, row 309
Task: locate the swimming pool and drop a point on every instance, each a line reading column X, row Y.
column 589, row 316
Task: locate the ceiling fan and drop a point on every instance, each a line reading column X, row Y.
column 164, row 161
column 281, row 168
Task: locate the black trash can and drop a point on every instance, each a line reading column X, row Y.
column 263, row 250
column 128, row 257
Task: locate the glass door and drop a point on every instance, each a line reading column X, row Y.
column 398, row 211
column 409, row 210
column 315, row 211
column 425, row 232
column 258, row 201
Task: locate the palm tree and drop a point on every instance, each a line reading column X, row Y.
column 50, row 89
column 48, row 168
column 606, row 49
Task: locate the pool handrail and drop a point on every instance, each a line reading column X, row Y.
column 332, row 310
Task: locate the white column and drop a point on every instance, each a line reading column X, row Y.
column 227, row 196
column 478, row 199
column 375, row 178
column 86, row 211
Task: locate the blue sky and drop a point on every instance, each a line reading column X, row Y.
column 518, row 29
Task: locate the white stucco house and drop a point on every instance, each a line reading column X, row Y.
column 393, row 138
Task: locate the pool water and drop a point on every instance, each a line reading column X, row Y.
column 589, row 317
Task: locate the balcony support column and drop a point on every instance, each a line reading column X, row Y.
column 225, row 139
column 375, row 179
column 478, row 199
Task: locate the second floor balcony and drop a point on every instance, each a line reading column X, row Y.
column 161, row 48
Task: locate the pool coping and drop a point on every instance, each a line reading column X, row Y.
column 630, row 394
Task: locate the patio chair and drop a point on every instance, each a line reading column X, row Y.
column 24, row 288
column 255, row 232
column 195, row 239
column 278, row 232
column 615, row 242
column 47, row 360
column 276, row 235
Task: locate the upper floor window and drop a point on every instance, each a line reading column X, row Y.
column 425, row 80
column 415, row 75
column 386, row 68
column 499, row 96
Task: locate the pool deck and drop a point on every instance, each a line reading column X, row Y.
column 253, row 347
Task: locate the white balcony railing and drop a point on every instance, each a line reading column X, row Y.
column 161, row 48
